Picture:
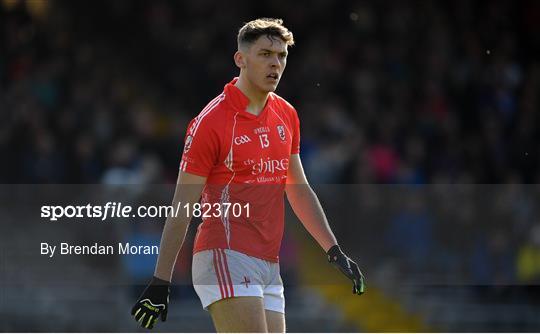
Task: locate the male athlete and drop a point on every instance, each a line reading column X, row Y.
column 241, row 155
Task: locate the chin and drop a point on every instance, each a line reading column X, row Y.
column 267, row 88
column 271, row 88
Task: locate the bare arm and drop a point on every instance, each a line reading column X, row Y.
column 306, row 205
column 188, row 190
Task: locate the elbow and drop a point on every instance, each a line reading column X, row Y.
column 297, row 192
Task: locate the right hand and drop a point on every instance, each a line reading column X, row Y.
column 152, row 304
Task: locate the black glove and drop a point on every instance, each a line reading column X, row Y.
column 348, row 267
column 153, row 303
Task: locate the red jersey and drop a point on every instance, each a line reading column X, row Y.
column 245, row 159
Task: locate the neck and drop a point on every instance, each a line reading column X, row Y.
column 257, row 99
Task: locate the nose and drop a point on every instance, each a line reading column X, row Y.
column 274, row 62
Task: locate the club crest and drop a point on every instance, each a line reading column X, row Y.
column 187, row 146
column 281, row 132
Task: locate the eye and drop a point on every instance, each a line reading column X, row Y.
column 265, row 54
column 282, row 55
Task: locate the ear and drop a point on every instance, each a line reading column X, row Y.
column 239, row 59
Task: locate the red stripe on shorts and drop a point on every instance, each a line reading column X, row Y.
column 222, row 273
column 227, row 271
column 218, row 274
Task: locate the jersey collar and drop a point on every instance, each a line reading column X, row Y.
column 235, row 95
column 240, row 101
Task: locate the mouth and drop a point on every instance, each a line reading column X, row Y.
column 273, row 76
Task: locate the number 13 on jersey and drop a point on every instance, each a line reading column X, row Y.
column 264, row 140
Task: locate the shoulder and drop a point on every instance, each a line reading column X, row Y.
column 284, row 106
column 210, row 116
column 211, row 110
column 282, row 102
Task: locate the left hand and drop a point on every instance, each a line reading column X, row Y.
column 348, row 267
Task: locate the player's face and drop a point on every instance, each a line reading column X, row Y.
column 265, row 62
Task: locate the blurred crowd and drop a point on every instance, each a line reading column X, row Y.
column 388, row 92
column 471, row 235
column 407, row 92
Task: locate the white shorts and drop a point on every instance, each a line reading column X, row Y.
column 224, row 273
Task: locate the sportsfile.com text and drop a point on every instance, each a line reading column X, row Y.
column 119, row 210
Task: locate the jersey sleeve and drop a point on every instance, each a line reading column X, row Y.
column 201, row 148
column 295, row 148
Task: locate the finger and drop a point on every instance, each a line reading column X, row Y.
column 359, row 286
column 138, row 314
column 359, row 277
column 141, row 319
column 361, row 289
column 356, row 271
column 135, row 311
column 362, row 285
column 148, row 323
column 362, row 282
column 350, row 266
column 164, row 315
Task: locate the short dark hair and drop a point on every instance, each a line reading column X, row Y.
column 252, row 30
